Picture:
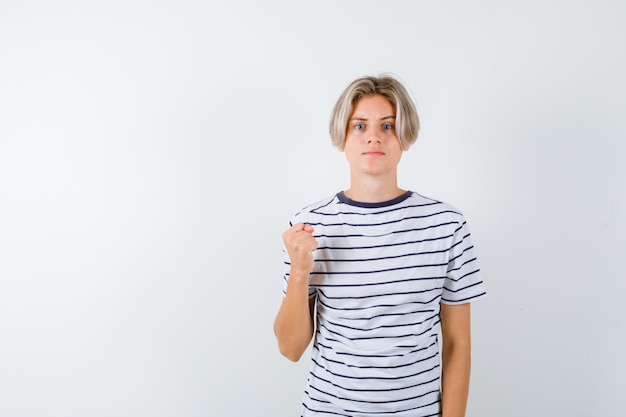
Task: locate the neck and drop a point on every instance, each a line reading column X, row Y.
column 373, row 190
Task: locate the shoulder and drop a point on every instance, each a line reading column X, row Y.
column 434, row 206
column 315, row 209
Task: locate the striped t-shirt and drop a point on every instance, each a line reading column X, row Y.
column 381, row 270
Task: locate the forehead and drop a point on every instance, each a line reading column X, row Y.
column 373, row 106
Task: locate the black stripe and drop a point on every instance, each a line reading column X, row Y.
column 388, row 245
column 425, row 216
column 319, row 300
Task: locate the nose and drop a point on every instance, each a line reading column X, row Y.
column 373, row 137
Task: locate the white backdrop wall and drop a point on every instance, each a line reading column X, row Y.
column 152, row 153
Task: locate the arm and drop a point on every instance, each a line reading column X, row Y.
column 455, row 353
column 293, row 325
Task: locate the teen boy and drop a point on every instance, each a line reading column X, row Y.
column 378, row 274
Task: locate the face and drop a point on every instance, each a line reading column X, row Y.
column 372, row 146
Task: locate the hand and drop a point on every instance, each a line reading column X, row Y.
column 300, row 244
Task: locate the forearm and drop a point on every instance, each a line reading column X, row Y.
column 294, row 322
column 455, row 377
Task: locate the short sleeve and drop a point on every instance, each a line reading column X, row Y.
column 464, row 281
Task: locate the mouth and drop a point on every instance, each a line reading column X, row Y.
column 373, row 153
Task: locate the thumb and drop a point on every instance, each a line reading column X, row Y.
column 308, row 228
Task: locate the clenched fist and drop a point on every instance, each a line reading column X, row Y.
column 300, row 244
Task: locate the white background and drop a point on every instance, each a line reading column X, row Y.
column 152, row 153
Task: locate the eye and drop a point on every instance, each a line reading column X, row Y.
column 359, row 126
column 388, row 126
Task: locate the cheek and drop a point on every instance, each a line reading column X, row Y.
column 392, row 140
column 351, row 142
column 397, row 146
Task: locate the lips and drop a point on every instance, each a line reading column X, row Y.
column 373, row 152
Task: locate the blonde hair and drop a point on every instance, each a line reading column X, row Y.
column 407, row 121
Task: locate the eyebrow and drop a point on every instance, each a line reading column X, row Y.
column 364, row 120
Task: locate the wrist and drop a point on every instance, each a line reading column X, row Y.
column 299, row 275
